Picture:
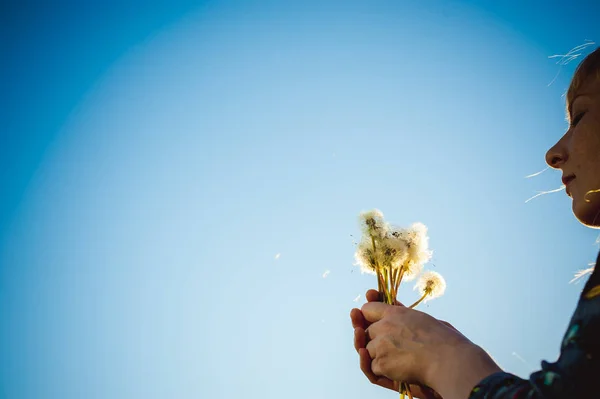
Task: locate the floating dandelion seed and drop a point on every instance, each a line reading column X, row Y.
column 515, row 354
column 430, row 285
column 277, row 256
column 356, row 299
column 326, row 273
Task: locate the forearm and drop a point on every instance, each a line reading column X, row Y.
column 469, row 365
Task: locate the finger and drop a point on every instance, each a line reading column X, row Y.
column 373, row 296
column 358, row 319
column 376, row 366
column 365, row 366
column 360, row 338
column 374, row 311
column 420, row 392
column 371, row 347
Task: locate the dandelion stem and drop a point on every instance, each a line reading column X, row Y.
column 427, row 292
column 399, row 280
column 385, row 275
column 380, row 282
column 391, row 295
column 405, row 390
column 394, row 285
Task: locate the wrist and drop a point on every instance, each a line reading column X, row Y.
column 461, row 368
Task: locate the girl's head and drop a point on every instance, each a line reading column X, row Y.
column 577, row 153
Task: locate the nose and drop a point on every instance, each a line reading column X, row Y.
column 557, row 155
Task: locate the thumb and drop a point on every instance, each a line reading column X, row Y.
column 374, row 311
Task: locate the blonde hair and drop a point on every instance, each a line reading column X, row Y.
column 588, row 70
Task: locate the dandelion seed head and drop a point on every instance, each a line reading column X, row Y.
column 365, row 257
column 431, row 283
column 411, row 270
column 373, row 224
column 417, row 243
column 394, row 251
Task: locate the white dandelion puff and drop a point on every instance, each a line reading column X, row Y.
column 431, row 285
column 356, row 299
column 393, row 251
column 277, row 256
column 411, row 270
column 417, row 243
column 327, row 272
column 373, row 224
column 365, row 257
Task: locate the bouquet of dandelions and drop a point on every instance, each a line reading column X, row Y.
column 394, row 255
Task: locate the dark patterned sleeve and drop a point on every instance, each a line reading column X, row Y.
column 576, row 374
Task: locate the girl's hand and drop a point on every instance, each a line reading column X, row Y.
column 402, row 344
column 360, row 341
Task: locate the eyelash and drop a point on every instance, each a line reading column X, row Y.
column 576, row 120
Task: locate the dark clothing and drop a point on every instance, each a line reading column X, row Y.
column 576, row 374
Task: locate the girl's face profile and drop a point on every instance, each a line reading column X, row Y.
column 577, row 153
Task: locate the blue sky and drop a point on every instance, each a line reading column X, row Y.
column 156, row 159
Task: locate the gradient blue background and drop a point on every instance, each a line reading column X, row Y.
column 155, row 157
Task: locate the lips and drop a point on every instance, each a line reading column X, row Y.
column 566, row 180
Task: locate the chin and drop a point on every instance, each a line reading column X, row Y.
column 588, row 213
